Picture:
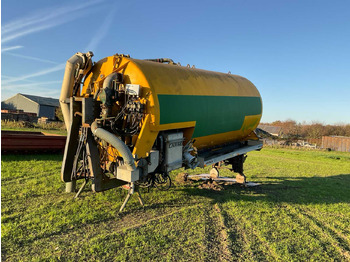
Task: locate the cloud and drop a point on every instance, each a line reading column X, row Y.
column 44, row 19
column 35, row 84
column 45, row 15
column 12, row 77
column 56, row 68
column 32, row 58
column 9, row 48
column 102, row 31
column 48, row 88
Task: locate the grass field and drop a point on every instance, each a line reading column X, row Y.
column 300, row 212
column 49, row 128
column 28, row 129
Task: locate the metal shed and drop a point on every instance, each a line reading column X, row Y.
column 336, row 143
column 41, row 106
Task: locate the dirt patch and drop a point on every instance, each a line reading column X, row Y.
column 211, row 185
column 181, row 179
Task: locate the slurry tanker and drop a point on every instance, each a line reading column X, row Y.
column 130, row 122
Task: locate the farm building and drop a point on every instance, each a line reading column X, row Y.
column 336, row 143
column 41, row 106
column 273, row 130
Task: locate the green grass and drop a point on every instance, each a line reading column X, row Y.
column 50, row 128
column 29, row 129
column 300, row 212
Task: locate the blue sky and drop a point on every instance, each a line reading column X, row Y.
column 297, row 53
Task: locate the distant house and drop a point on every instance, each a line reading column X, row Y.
column 273, row 130
column 41, row 106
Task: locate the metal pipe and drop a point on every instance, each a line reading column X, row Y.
column 107, row 83
column 80, row 189
column 116, row 143
column 79, row 62
column 107, row 88
column 161, row 60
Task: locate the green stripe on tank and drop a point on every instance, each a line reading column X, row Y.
column 213, row 114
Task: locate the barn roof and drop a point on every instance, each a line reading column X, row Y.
column 271, row 129
column 46, row 101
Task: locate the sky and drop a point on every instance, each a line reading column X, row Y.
column 296, row 52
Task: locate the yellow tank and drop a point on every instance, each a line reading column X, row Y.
column 134, row 121
column 212, row 108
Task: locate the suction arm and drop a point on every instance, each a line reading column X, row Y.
column 76, row 68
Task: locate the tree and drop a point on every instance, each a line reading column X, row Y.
column 59, row 114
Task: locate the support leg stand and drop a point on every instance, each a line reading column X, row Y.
column 131, row 191
column 80, row 189
column 70, row 186
column 140, row 197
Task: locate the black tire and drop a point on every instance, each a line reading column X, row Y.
column 162, row 181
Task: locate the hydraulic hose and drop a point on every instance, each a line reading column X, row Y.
column 116, row 143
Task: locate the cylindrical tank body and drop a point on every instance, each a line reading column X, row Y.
column 212, row 108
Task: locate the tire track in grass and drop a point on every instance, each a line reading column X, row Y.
column 337, row 227
column 336, row 218
column 263, row 242
column 213, row 251
column 342, row 239
column 252, row 239
column 239, row 242
column 137, row 225
column 217, row 237
column 247, row 243
column 89, row 231
column 325, row 238
column 122, row 225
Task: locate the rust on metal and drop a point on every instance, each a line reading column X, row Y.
column 28, row 142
